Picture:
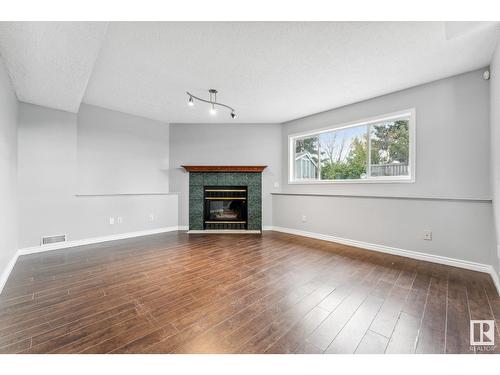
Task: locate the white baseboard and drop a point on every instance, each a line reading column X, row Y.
column 365, row 245
column 183, row 227
column 8, row 269
column 486, row 268
column 496, row 279
column 93, row 240
column 87, row 241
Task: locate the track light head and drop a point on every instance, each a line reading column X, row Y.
column 212, row 101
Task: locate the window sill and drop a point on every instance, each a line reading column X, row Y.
column 405, row 180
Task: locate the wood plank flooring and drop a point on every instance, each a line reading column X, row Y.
column 275, row 293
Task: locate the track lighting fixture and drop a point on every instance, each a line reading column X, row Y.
column 212, row 101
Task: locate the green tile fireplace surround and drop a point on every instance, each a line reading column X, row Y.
column 251, row 180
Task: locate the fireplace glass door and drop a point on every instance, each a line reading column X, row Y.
column 225, row 207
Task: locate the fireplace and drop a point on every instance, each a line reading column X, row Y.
column 225, row 207
column 225, row 199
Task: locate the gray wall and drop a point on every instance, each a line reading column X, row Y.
column 460, row 230
column 452, row 160
column 495, row 146
column 8, row 157
column 227, row 144
column 48, row 181
column 61, row 155
column 452, row 149
column 120, row 153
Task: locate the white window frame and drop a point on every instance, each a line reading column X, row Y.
column 411, row 113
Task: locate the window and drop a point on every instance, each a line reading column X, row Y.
column 380, row 149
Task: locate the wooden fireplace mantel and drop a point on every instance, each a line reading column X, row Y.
column 225, row 168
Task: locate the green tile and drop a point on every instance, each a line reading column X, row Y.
column 254, row 226
column 254, row 212
column 254, row 206
column 254, row 179
column 231, row 179
column 240, row 179
column 210, row 179
column 254, row 221
column 196, row 214
column 195, row 207
column 196, row 179
column 196, row 223
column 222, row 179
column 196, row 192
column 254, row 192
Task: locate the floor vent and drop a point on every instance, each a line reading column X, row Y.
column 53, row 239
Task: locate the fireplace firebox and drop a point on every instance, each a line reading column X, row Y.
column 225, row 207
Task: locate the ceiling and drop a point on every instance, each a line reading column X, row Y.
column 50, row 62
column 270, row 72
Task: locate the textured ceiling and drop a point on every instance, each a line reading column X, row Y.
column 50, row 62
column 269, row 72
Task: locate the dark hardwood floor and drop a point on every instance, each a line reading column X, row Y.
column 275, row 293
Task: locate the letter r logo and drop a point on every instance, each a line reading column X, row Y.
column 482, row 332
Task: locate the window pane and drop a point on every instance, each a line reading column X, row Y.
column 344, row 154
column 390, row 148
column 306, row 158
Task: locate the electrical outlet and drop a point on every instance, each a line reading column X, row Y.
column 119, row 219
column 428, row 235
column 276, row 185
column 304, row 218
column 151, row 217
column 111, row 220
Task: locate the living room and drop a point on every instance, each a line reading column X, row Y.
column 249, row 187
